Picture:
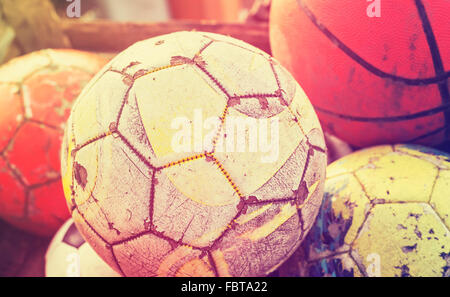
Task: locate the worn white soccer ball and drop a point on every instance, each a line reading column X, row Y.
column 193, row 154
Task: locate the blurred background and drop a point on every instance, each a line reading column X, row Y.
column 29, row 25
column 162, row 10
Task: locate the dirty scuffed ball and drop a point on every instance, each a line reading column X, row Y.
column 193, row 154
column 36, row 95
column 385, row 212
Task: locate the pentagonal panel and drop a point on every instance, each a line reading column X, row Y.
column 72, row 237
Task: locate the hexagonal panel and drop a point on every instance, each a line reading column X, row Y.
column 88, row 62
column 12, row 193
column 240, row 72
column 50, row 94
column 181, row 218
column 35, row 153
column 190, row 178
column 47, row 207
column 253, row 151
column 99, row 192
column 353, row 162
column 409, row 239
column 345, row 208
column 162, row 52
column 131, row 255
column 438, row 158
column 132, row 128
column 95, row 241
column 101, row 105
column 258, row 241
column 27, row 64
column 389, row 178
column 122, row 191
column 286, row 180
column 440, row 199
column 11, row 112
column 175, row 101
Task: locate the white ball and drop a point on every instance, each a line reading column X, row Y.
column 69, row 255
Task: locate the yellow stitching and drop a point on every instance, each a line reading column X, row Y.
column 160, row 68
column 193, row 158
column 227, row 176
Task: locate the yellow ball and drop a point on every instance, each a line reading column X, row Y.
column 193, row 154
column 386, row 212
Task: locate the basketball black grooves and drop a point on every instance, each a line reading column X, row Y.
column 441, row 78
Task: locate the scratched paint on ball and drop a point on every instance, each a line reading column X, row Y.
column 377, row 219
column 166, row 172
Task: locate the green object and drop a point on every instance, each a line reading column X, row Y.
column 29, row 25
column 7, row 36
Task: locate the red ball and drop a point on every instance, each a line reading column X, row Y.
column 372, row 80
column 36, row 94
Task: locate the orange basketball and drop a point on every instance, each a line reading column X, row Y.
column 376, row 71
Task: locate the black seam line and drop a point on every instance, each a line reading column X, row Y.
column 213, row 263
column 358, row 59
column 428, row 134
column 437, row 59
column 443, row 108
column 116, row 261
